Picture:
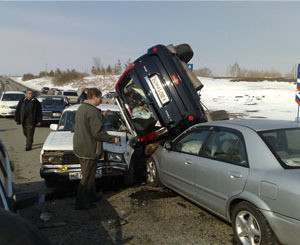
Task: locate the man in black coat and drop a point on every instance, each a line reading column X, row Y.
column 83, row 96
column 29, row 114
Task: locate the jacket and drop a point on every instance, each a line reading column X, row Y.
column 81, row 98
column 35, row 110
column 88, row 132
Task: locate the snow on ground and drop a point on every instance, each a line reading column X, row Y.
column 273, row 100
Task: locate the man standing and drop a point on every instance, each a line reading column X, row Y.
column 83, row 96
column 29, row 114
column 87, row 142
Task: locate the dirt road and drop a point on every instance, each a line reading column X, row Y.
column 136, row 215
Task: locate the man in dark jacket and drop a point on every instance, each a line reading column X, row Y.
column 87, row 142
column 29, row 114
column 83, row 96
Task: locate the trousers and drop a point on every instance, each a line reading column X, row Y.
column 28, row 131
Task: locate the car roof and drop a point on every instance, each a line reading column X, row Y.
column 102, row 107
column 255, row 124
column 13, row 92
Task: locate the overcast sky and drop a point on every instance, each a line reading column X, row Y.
column 257, row 35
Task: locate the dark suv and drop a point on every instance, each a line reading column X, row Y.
column 158, row 93
column 158, row 97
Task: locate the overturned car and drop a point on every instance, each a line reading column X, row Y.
column 159, row 98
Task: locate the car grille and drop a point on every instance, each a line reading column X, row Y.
column 47, row 113
column 13, row 107
column 70, row 158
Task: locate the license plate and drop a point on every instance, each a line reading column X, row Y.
column 161, row 93
column 78, row 175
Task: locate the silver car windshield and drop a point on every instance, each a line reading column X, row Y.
column 284, row 143
column 112, row 122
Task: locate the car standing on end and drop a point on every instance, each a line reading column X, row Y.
column 52, row 107
column 245, row 171
column 9, row 101
column 59, row 164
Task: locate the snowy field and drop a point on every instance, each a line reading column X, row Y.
column 273, row 100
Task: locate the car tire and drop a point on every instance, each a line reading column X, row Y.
column 248, row 222
column 152, row 173
column 50, row 183
column 128, row 177
column 184, row 52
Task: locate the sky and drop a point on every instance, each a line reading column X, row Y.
column 38, row 36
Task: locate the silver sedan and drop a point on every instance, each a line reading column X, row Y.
column 245, row 171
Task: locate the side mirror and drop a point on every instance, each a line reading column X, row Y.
column 168, row 145
column 53, row 127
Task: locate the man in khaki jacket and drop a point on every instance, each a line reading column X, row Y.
column 87, row 142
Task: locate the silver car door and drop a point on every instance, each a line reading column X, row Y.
column 222, row 171
column 178, row 165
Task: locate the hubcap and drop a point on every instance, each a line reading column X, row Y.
column 247, row 228
column 151, row 172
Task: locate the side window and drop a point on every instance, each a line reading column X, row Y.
column 227, row 146
column 191, row 142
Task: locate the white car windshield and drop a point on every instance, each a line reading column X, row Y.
column 284, row 143
column 112, row 122
column 12, row 97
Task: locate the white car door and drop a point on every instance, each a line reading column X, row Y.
column 222, row 171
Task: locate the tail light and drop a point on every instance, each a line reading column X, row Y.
column 124, row 75
column 175, row 80
column 153, row 135
column 191, row 117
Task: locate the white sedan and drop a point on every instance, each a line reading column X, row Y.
column 9, row 101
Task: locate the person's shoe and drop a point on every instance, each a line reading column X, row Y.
column 85, row 206
column 28, row 148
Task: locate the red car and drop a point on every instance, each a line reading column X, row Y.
column 45, row 90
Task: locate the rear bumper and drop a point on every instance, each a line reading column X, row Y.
column 286, row 229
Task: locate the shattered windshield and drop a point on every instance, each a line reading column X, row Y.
column 143, row 118
column 112, row 122
column 284, row 143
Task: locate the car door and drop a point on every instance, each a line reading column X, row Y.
column 178, row 164
column 222, row 169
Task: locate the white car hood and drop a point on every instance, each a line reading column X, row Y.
column 63, row 141
column 9, row 103
column 59, row 141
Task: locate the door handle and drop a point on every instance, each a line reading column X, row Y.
column 235, row 175
column 188, row 162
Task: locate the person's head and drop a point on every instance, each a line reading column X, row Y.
column 86, row 90
column 29, row 94
column 94, row 96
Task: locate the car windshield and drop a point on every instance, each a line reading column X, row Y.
column 285, row 145
column 112, row 122
column 12, row 97
column 143, row 117
column 67, row 93
column 51, row 102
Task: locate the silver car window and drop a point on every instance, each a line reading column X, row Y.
column 227, row 146
column 191, row 142
column 284, row 144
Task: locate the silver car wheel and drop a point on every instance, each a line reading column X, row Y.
column 247, row 228
column 151, row 172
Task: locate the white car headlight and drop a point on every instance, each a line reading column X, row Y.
column 57, row 114
column 3, row 107
column 115, row 157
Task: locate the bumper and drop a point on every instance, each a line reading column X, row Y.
column 286, row 229
column 64, row 172
column 7, row 112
